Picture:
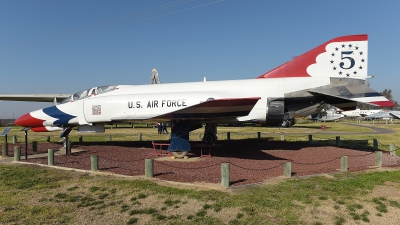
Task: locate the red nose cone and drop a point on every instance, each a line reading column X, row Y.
column 28, row 121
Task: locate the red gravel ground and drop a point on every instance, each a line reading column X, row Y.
column 251, row 161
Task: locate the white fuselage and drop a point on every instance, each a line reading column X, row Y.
column 141, row 102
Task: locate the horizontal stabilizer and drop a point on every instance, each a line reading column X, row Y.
column 354, row 93
column 395, row 114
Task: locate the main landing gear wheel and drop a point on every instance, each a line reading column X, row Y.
column 210, row 138
column 180, row 154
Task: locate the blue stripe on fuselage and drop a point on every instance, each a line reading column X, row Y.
column 62, row 117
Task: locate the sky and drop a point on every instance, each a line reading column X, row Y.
column 54, row 46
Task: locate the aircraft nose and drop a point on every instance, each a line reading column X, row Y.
column 28, row 121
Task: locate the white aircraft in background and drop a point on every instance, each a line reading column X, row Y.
column 385, row 114
column 326, row 115
column 334, row 72
column 360, row 112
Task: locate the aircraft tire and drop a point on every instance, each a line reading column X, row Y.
column 210, row 138
column 180, row 154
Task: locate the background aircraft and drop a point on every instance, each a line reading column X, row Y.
column 334, row 72
column 384, row 114
column 360, row 112
column 326, row 115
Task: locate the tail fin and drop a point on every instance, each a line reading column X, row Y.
column 340, row 57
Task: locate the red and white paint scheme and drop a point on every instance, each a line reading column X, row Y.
column 334, row 72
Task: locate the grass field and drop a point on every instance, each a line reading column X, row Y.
column 37, row 195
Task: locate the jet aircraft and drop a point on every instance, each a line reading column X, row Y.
column 334, row 72
column 384, row 114
column 360, row 112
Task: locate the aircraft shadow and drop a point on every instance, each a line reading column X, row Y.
column 255, row 149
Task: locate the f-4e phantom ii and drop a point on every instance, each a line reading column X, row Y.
column 334, row 72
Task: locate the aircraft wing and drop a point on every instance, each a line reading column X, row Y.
column 34, row 97
column 219, row 108
column 354, row 93
column 395, row 114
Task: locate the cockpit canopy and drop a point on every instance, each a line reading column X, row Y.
column 89, row 93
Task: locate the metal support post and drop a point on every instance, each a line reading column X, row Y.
column 34, row 146
column 337, row 141
column 375, row 143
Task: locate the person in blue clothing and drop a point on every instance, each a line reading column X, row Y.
column 164, row 128
column 159, row 128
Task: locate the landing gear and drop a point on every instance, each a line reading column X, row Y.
column 210, row 134
column 64, row 141
column 210, row 138
column 286, row 123
column 67, row 142
column 179, row 145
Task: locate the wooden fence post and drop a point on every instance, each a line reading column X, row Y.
column 94, row 162
column 149, row 168
column 287, row 170
column 378, row 158
column 392, row 149
column 17, row 153
column 50, row 157
column 4, row 151
column 344, row 164
column 225, row 174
